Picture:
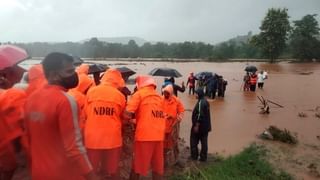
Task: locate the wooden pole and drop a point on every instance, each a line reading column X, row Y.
column 260, row 99
column 276, row 104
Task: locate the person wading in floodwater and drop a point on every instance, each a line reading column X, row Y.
column 192, row 83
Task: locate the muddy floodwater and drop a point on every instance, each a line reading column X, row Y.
column 235, row 119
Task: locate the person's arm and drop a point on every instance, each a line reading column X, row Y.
column 180, row 112
column 68, row 118
column 131, row 108
column 199, row 116
column 188, row 81
column 181, row 89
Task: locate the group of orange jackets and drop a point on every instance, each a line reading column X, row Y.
column 95, row 104
column 12, row 126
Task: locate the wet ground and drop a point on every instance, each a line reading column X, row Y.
column 236, row 120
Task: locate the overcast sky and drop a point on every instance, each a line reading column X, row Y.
column 209, row 21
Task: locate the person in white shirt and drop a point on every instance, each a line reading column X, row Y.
column 261, row 78
column 265, row 74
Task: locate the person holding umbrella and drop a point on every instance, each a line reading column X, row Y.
column 253, row 77
column 253, row 81
column 246, row 82
column 11, row 109
column 11, row 130
column 172, row 73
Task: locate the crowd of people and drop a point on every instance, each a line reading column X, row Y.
column 251, row 80
column 71, row 127
column 213, row 85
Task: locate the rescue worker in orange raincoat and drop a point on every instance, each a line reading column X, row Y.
column 83, row 69
column 79, row 93
column 253, row 81
column 174, row 110
column 52, row 125
column 148, row 108
column 103, row 135
column 36, row 79
column 11, row 123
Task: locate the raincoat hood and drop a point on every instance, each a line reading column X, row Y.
column 83, row 69
column 143, row 81
column 36, row 72
column 200, row 93
column 84, row 83
column 168, row 89
column 113, row 77
column 36, row 78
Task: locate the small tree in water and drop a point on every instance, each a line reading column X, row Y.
column 274, row 33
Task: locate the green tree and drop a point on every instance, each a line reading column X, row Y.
column 94, row 48
column 133, row 49
column 225, row 50
column 303, row 40
column 274, row 33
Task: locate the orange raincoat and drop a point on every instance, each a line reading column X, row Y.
column 105, row 105
column 11, row 125
column 36, row 78
column 52, row 125
column 83, row 69
column 173, row 109
column 79, row 93
column 148, row 107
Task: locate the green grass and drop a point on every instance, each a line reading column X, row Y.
column 248, row 165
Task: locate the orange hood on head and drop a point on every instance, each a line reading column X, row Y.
column 84, row 83
column 113, row 77
column 168, row 89
column 36, row 72
column 36, row 78
column 143, row 81
column 83, row 69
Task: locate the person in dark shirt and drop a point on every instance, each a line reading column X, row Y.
column 222, row 86
column 201, row 126
column 177, row 88
column 211, row 86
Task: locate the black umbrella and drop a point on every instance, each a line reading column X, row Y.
column 204, row 74
column 126, row 72
column 97, row 68
column 166, row 72
column 251, row 69
column 77, row 61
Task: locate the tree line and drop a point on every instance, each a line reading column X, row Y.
column 276, row 39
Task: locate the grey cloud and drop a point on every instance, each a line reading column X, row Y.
column 155, row 20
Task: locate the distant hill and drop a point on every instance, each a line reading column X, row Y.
column 121, row 40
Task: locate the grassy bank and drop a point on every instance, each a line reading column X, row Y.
column 250, row 164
